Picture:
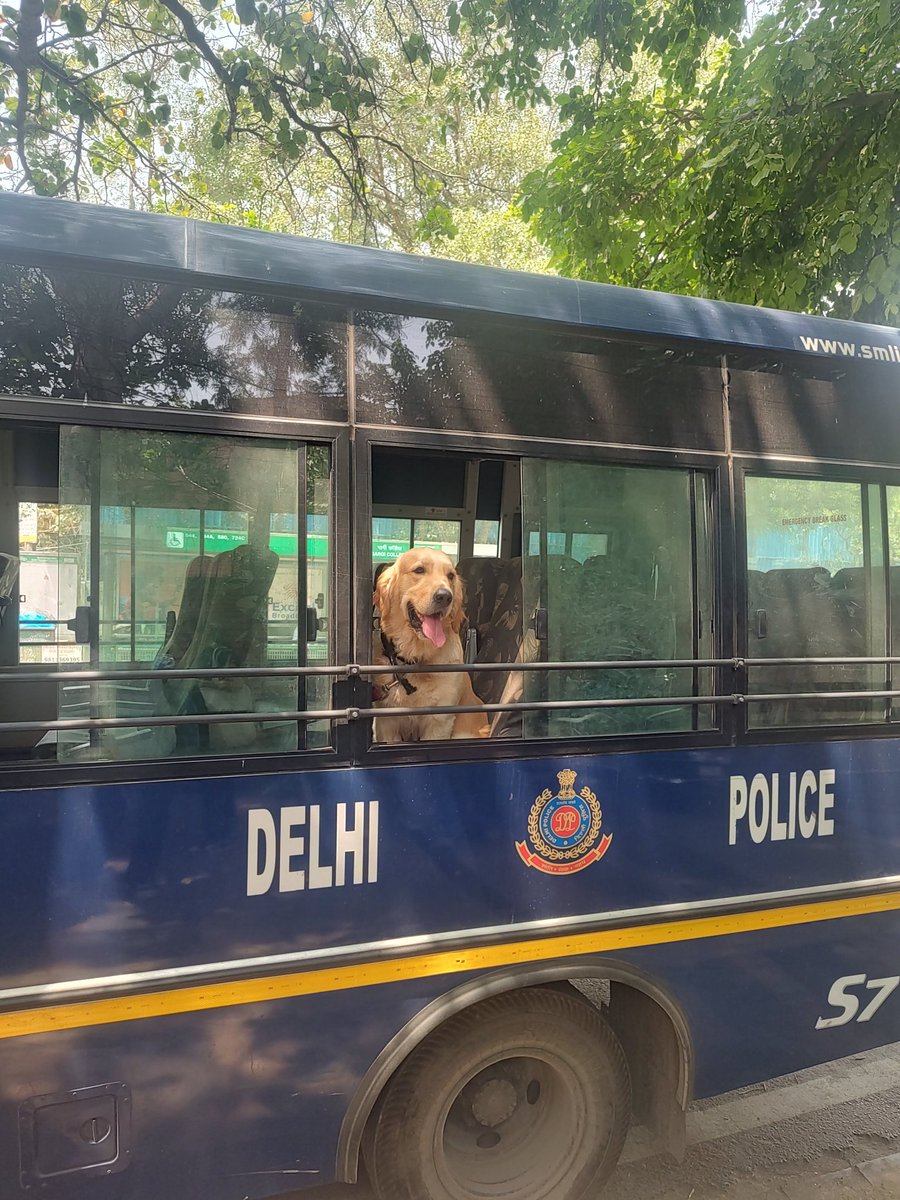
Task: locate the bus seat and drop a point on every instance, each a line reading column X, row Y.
column 195, row 578
column 806, row 617
column 509, row 724
column 224, row 626
column 850, row 588
column 494, row 610
column 565, row 573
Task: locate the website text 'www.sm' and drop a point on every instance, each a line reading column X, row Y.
column 890, row 354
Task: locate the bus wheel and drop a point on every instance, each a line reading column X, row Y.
column 524, row 1095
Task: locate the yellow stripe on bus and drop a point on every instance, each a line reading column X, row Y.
column 87, row 1013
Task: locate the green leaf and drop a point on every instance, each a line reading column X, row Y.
column 262, row 106
column 75, row 19
column 877, row 268
column 246, row 11
column 437, row 224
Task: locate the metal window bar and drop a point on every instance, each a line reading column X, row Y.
column 348, row 714
column 353, row 670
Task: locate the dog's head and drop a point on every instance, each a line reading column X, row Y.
column 420, row 596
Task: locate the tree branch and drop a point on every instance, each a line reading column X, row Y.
column 318, row 132
column 29, row 30
column 76, row 169
column 195, row 37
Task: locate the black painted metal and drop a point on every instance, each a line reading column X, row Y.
column 38, row 229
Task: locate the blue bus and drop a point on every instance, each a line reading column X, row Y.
column 245, row 947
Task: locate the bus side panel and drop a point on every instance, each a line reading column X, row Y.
column 142, row 877
column 248, row 1100
column 766, row 1003
column 231, row 1103
column 135, row 877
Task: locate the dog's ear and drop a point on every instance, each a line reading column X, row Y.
column 458, row 611
column 384, row 579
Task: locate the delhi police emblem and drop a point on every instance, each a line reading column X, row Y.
column 564, row 830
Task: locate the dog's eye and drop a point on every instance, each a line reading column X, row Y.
column 451, row 576
column 418, row 570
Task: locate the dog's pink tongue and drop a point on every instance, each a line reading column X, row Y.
column 434, row 630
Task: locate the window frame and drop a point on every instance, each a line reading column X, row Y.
column 31, row 410
column 712, row 463
column 804, row 468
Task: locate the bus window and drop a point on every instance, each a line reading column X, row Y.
column 391, row 537
column 170, row 551
column 52, row 542
column 615, row 569
column 893, row 532
column 815, row 589
column 615, row 565
column 121, row 340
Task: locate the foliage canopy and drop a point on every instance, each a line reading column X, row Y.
column 694, row 153
column 104, row 89
column 775, row 181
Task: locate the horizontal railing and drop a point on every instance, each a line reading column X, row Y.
column 353, row 713
column 355, row 670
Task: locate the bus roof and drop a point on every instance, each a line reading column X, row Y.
column 39, row 230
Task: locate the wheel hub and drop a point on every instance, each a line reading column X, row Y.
column 494, row 1102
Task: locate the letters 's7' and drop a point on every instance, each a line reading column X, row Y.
column 841, row 997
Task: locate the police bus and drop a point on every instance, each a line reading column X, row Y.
column 247, row 949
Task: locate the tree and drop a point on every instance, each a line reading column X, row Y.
column 776, row 181
column 99, row 94
column 450, row 193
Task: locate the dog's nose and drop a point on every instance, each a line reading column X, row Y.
column 442, row 596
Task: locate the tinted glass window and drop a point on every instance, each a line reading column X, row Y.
column 512, row 379
column 815, row 589
column 816, row 408
column 391, row 537
column 79, row 335
column 169, row 551
column 893, row 526
column 615, row 569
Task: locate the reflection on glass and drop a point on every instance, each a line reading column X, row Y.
column 318, row 588
column 632, row 598
column 83, row 335
column 199, row 565
column 53, row 544
column 390, row 537
column 815, row 587
column 490, row 376
column 487, row 539
column 438, row 535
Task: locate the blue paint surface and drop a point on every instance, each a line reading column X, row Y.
column 135, row 877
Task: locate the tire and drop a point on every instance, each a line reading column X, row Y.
column 525, row 1095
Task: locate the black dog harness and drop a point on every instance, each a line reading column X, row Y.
column 390, row 651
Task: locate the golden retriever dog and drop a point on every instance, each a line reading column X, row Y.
column 420, row 603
